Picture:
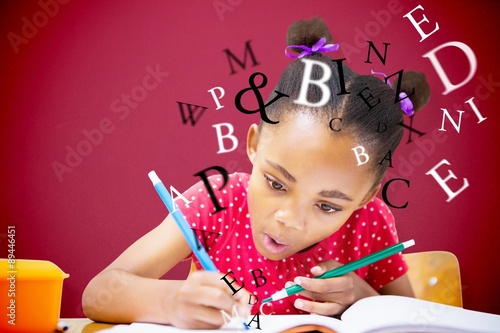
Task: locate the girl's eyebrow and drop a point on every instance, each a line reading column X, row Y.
column 282, row 170
column 336, row 194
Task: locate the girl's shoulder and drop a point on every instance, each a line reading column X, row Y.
column 376, row 208
column 216, row 196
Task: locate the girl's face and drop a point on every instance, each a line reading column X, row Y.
column 305, row 184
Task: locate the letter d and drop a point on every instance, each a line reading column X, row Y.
column 471, row 57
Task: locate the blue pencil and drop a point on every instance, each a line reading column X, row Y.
column 199, row 251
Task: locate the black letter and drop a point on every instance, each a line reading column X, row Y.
column 191, row 112
column 385, row 158
column 371, row 46
column 384, row 192
column 366, row 99
column 230, row 283
column 411, row 129
column 331, row 121
column 204, row 177
column 255, row 278
column 341, row 76
column 243, row 63
column 398, row 89
column 257, row 321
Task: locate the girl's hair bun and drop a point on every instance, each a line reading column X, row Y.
column 308, row 32
column 415, row 80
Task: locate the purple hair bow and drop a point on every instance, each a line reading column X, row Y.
column 405, row 102
column 318, row 47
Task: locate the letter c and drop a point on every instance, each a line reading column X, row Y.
column 331, row 127
column 384, row 192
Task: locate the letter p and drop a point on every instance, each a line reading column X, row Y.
column 217, row 98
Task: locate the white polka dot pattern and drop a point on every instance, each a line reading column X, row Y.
column 228, row 240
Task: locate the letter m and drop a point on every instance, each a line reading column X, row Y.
column 231, row 57
column 189, row 115
column 234, row 319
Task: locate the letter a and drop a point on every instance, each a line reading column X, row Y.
column 179, row 196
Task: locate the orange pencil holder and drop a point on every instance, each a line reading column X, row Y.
column 30, row 295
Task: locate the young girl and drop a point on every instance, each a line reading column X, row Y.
column 306, row 208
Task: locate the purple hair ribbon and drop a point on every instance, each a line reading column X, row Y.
column 320, row 46
column 405, row 102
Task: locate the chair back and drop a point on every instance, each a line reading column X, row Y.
column 435, row 276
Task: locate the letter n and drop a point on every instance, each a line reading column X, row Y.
column 242, row 64
column 370, row 47
column 447, row 115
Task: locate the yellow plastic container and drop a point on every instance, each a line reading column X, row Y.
column 30, row 295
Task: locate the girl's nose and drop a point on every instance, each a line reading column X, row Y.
column 289, row 218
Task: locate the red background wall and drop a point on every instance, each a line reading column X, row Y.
column 69, row 74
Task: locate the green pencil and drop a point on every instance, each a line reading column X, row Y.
column 344, row 269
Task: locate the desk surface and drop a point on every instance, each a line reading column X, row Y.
column 84, row 325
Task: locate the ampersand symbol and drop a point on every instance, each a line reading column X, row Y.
column 260, row 101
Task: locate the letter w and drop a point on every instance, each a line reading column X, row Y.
column 191, row 110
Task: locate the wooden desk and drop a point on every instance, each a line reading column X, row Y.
column 84, row 325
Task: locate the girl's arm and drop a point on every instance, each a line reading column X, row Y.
column 129, row 289
column 401, row 286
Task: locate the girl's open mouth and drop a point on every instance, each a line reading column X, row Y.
column 274, row 246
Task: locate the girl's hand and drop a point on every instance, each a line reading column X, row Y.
column 199, row 302
column 331, row 296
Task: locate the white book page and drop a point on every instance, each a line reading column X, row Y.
column 398, row 313
column 377, row 314
column 268, row 324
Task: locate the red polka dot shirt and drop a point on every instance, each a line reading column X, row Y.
column 227, row 237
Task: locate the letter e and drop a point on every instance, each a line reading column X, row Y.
column 442, row 182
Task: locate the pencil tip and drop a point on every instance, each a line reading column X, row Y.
column 267, row 300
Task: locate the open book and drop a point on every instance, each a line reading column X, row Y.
column 377, row 314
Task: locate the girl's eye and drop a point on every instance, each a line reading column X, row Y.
column 328, row 208
column 274, row 184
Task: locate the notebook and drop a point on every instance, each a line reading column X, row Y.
column 377, row 314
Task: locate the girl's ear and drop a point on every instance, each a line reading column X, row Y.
column 252, row 142
column 369, row 196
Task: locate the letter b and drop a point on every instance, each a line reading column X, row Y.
column 221, row 137
column 359, row 154
column 306, row 81
column 260, row 276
